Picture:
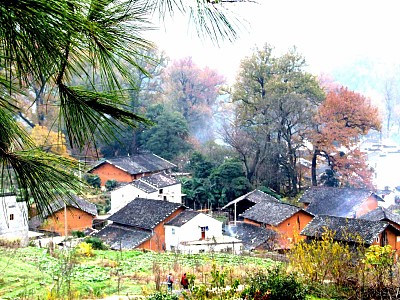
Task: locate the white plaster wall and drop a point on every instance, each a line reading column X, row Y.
column 122, row 196
column 17, row 228
column 171, row 193
column 191, row 230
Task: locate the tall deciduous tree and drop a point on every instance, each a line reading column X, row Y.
column 57, row 39
column 276, row 99
column 342, row 118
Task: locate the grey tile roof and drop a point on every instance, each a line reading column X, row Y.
column 144, row 213
column 340, row 202
column 76, row 202
column 252, row 236
column 255, row 196
column 382, row 214
column 346, row 229
column 270, row 212
column 152, row 183
column 160, row 180
column 122, row 237
column 182, row 218
column 141, row 185
column 138, row 164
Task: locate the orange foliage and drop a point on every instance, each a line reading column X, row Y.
column 342, row 119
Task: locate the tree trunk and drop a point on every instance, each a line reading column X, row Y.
column 314, row 168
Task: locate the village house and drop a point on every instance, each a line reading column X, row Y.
column 195, row 232
column 354, row 231
column 383, row 214
column 239, row 205
column 339, row 202
column 140, row 224
column 13, row 219
column 65, row 216
column 129, row 168
column 285, row 219
column 161, row 186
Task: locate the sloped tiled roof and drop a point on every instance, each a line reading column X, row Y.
column 270, row 212
column 182, row 218
column 122, row 237
column 382, row 214
column 255, row 196
column 346, row 229
column 138, row 164
column 159, row 180
column 144, row 213
column 152, row 183
column 340, row 202
column 59, row 204
column 143, row 186
column 252, row 236
column 76, row 202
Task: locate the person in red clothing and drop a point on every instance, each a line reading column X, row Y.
column 184, row 282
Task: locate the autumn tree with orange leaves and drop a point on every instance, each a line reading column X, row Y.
column 342, row 119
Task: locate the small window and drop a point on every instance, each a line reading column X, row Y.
column 11, row 217
column 397, row 238
column 160, row 191
column 377, row 239
column 288, row 224
column 173, row 230
column 165, row 198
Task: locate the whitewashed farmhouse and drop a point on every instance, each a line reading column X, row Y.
column 195, row 232
column 160, row 186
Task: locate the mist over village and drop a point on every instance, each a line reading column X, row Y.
column 199, row 150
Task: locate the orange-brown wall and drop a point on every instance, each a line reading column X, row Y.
column 370, row 204
column 156, row 242
column 77, row 220
column 289, row 230
column 107, row 172
column 392, row 241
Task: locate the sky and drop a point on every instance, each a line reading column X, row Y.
column 328, row 33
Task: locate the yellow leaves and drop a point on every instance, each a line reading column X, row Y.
column 377, row 255
column 85, row 249
column 49, row 140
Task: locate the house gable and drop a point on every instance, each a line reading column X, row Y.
column 126, row 169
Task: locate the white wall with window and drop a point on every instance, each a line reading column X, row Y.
column 13, row 219
column 122, row 196
column 200, row 227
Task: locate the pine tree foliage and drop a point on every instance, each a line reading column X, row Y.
column 55, row 40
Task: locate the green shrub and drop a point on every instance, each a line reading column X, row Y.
column 97, row 244
column 275, row 285
column 78, row 234
column 111, row 184
column 93, row 180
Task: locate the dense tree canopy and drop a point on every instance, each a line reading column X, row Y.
column 50, row 42
column 276, row 99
